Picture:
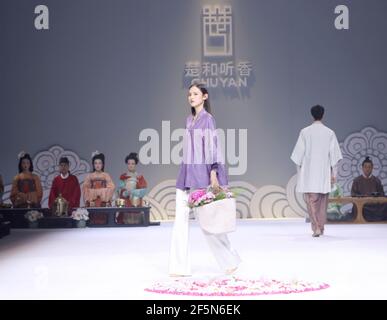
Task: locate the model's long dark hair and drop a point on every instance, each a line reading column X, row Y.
column 26, row 156
column 206, row 104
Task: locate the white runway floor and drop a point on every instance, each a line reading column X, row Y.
column 118, row 263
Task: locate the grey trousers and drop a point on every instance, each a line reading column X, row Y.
column 317, row 204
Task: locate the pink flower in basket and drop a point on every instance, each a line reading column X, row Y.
column 202, row 197
column 194, row 196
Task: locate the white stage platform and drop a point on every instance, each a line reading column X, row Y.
column 118, row 263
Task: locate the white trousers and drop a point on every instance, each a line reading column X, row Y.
column 179, row 261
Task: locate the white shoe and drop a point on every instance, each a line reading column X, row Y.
column 231, row 271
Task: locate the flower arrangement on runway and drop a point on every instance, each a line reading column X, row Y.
column 233, row 286
column 81, row 215
column 33, row 215
column 216, row 212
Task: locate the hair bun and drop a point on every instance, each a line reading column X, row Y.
column 21, row 154
column 95, row 153
column 132, row 156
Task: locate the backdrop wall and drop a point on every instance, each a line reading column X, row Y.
column 106, row 70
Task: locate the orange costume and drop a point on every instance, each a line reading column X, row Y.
column 98, row 190
column 26, row 191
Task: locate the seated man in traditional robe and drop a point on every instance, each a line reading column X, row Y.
column 66, row 185
column 367, row 185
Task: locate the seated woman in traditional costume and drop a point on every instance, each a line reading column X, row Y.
column 367, row 185
column 132, row 186
column 98, row 188
column 66, row 185
column 26, row 189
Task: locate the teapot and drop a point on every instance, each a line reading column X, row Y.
column 120, row 203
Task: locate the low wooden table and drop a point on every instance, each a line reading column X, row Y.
column 359, row 202
column 5, row 227
column 17, row 219
column 16, row 215
column 112, row 211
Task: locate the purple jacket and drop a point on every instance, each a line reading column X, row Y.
column 201, row 154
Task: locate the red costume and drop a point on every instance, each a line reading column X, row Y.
column 69, row 189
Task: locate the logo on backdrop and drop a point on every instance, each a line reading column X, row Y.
column 219, row 67
column 217, row 31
